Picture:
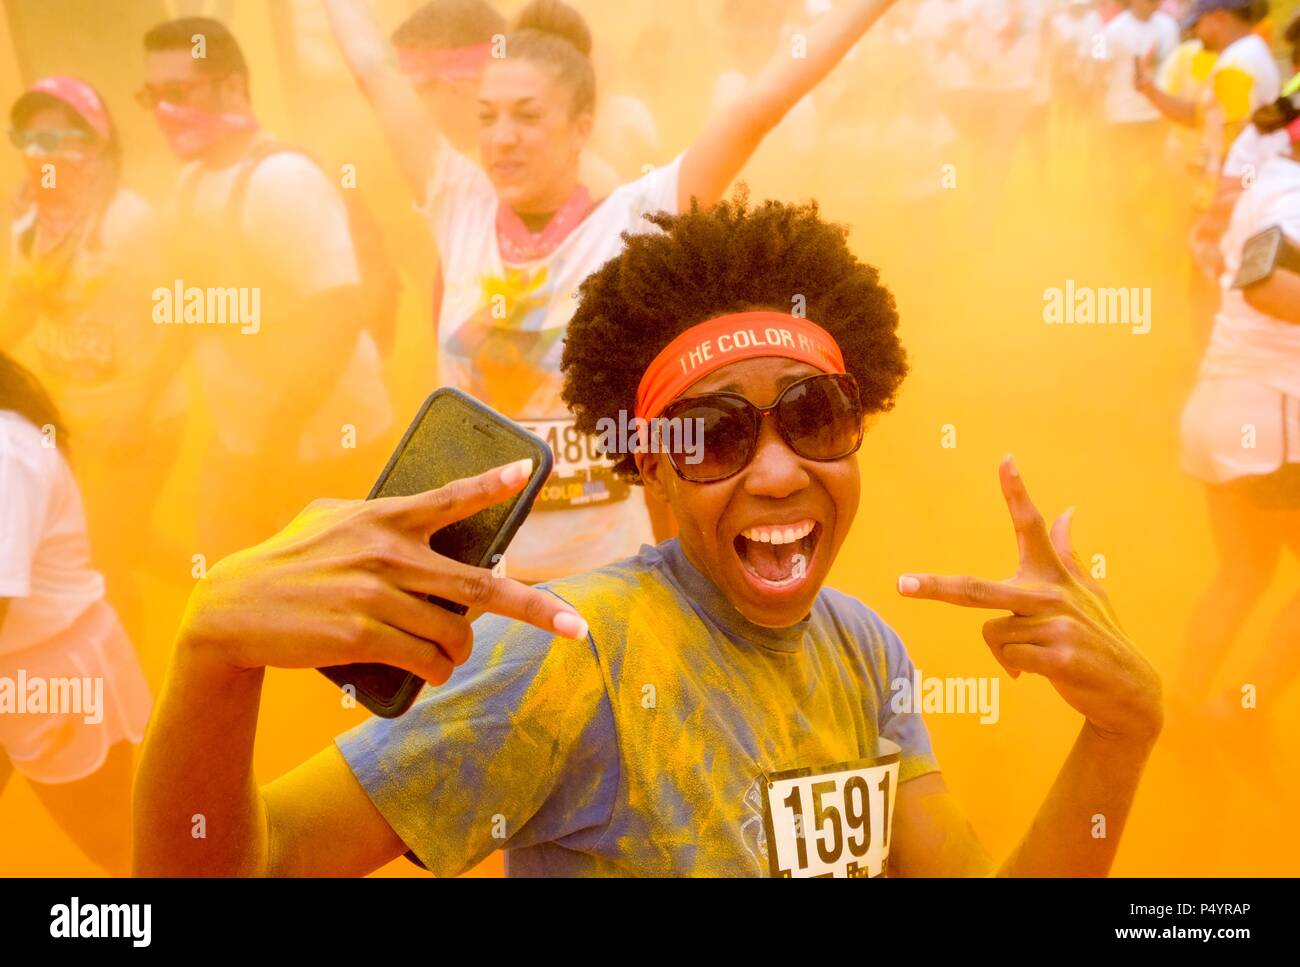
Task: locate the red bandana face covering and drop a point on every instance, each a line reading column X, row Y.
column 518, row 244
column 190, row 131
column 423, row 65
column 65, row 189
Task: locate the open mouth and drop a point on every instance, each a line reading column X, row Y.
column 778, row 556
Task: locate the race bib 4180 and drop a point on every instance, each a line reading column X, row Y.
column 581, row 475
column 832, row 820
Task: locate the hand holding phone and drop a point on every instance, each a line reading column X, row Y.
column 346, row 582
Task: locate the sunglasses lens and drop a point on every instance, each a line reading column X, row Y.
column 822, row 417
column 720, row 432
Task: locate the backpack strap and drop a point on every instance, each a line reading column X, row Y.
column 247, row 168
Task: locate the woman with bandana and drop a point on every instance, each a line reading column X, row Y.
column 518, row 231
column 85, row 256
column 706, row 707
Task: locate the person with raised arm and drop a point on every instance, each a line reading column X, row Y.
column 518, row 231
column 706, row 707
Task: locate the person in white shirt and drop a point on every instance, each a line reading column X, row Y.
column 1142, row 32
column 1072, row 35
column 519, row 232
column 1134, row 130
column 1241, row 438
column 73, row 698
column 1243, row 79
column 294, row 385
column 1253, row 147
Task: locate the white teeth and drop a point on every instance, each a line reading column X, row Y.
column 779, row 535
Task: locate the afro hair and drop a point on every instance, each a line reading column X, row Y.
column 708, row 262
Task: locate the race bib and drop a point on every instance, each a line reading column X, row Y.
column 78, row 349
column 832, row 820
column 581, row 475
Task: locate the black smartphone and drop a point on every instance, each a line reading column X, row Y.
column 453, row 436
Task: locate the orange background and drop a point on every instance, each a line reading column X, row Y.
column 1090, row 412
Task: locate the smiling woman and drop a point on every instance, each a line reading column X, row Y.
column 715, row 678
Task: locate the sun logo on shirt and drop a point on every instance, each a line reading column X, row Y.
column 504, row 345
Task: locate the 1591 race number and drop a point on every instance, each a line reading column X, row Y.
column 833, row 820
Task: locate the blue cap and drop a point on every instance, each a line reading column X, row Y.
column 1203, row 7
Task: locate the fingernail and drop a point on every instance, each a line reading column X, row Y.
column 570, row 625
column 517, row 471
column 908, row 584
column 1011, row 466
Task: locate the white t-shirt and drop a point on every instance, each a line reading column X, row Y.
column 295, row 232
column 1246, row 342
column 1245, row 77
column 44, row 552
column 1125, row 38
column 1073, row 36
column 500, row 337
column 1252, row 149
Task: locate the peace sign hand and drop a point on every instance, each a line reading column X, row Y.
column 1061, row 625
column 347, row 581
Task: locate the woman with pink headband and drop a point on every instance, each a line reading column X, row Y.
column 707, row 707
column 519, row 231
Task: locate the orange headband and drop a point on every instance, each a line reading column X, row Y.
column 715, row 343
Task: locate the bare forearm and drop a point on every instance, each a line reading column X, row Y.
column 359, row 36
column 1078, row 827
column 787, row 78
column 1174, row 108
column 733, row 135
column 198, row 809
column 407, row 125
column 1277, row 296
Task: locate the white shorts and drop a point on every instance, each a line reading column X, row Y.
column 57, row 746
column 1234, row 427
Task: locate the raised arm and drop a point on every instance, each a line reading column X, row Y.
column 1062, row 627
column 343, row 583
column 406, row 123
column 1176, row 109
column 731, row 136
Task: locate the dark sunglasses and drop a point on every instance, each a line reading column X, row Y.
column 175, row 92
column 819, row 417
